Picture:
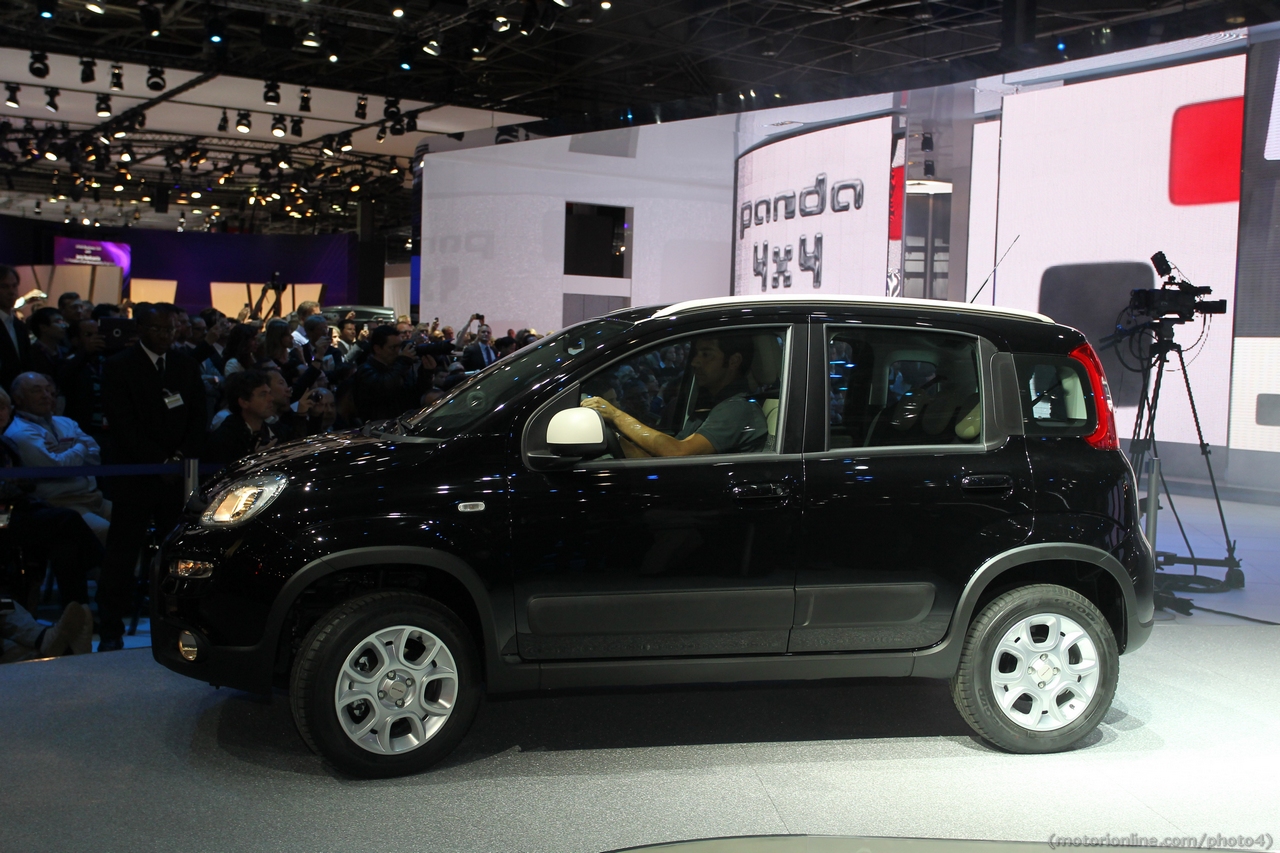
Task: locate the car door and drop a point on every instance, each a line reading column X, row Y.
column 912, row 482
column 648, row 557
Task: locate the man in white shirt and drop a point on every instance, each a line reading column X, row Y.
column 305, row 310
column 43, row 439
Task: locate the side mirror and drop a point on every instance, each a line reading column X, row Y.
column 577, row 433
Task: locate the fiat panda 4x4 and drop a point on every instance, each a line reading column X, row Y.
column 716, row 491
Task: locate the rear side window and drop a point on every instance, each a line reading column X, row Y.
column 1056, row 396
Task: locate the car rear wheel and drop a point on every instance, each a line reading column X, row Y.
column 1038, row 670
column 385, row 685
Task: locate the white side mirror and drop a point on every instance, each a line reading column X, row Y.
column 576, row 432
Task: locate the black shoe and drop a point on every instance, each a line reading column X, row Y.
column 110, row 645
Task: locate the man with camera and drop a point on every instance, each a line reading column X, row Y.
column 388, row 382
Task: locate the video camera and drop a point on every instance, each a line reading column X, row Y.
column 1174, row 297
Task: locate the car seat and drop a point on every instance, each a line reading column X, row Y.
column 764, row 380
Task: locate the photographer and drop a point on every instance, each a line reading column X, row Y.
column 245, row 430
column 389, row 382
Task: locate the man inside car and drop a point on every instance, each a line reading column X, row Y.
column 725, row 420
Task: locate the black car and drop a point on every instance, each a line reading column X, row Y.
column 880, row 488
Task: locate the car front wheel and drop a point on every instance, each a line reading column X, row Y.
column 385, row 685
column 1038, row 670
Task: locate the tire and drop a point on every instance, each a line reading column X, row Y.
column 1073, row 654
column 386, row 684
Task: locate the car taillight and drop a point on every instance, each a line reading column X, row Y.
column 1103, row 436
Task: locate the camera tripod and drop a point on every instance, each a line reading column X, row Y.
column 1144, row 443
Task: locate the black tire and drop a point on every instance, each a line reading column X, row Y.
column 324, row 653
column 977, row 697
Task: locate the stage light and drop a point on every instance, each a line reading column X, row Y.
column 397, row 126
column 95, row 8
column 311, row 39
column 278, row 128
column 126, row 154
column 11, row 99
column 411, row 123
column 431, row 46
column 391, row 108
column 243, row 123
column 119, row 133
column 88, row 71
column 150, row 19
column 362, row 107
column 547, row 20
column 39, row 64
column 395, row 167
column 926, row 142
column 929, row 171
column 333, row 57
column 529, row 20
column 215, row 29
column 397, row 9
column 295, row 126
column 355, row 188
column 271, row 92
column 304, row 100
column 1062, row 45
column 344, row 142
column 328, row 146
column 501, row 23
column 282, row 159
column 223, row 123
column 479, row 39
column 117, row 78
column 46, row 8
column 565, row 3
column 405, row 62
column 50, row 155
column 103, row 106
column 382, row 132
column 606, row 5
column 51, row 99
column 155, row 78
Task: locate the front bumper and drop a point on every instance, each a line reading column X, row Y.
column 247, row 668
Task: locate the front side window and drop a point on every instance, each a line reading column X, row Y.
column 705, row 394
column 901, row 387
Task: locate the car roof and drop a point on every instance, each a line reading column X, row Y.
column 850, row 302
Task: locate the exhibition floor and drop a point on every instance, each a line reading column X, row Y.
column 113, row 752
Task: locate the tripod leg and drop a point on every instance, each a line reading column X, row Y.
column 1208, row 464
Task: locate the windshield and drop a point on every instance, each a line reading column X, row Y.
column 501, row 382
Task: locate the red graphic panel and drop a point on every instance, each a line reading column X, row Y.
column 1204, row 152
column 897, row 200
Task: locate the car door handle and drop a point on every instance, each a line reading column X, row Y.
column 987, row 482
column 761, row 491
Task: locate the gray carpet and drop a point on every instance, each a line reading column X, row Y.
column 114, row 753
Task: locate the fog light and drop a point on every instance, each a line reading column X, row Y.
column 189, row 646
column 190, row 569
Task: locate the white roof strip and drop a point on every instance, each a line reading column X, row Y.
column 846, row 301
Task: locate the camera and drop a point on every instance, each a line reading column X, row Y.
column 435, row 348
column 1174, row 297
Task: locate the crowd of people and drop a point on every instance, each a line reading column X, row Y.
column 151, row 383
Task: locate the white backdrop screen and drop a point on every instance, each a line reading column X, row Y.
column 812, row 212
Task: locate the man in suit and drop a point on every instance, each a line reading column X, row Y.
column 154, row 403
column 481, row 354
column 15, row 341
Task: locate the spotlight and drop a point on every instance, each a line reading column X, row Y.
column 295, row 126
column 391, row 108
column 304, row 100
column 479, row 38
column 431, row 46
column 344, row 142
column 95, row 8
column 501, row 23
column 397, row 126
column 271, row 92
column 362, row 107
column 311, row 39
column 565, row 3
column 926, row 142
column 411, row 123
column 119, row 133
column 126, row 154
column 50, row 155
column 155, row 78
column 117, row 78
column 88, row 70
column 223, row 122
column 103, row 106
column 397, row 9
column 929, row 171
column 215, row 29
column 395, row 167
column 405, row 62
column 39, row 64
column 529, row 20
column 333, row 57
column 382, row 132
column 51, row 99
column 11, row 99
column 606, row 5
column 150, row 19
column 328, row 146
column 277, row 126
column 282, row 158
column 243, row 123
column 46, row 8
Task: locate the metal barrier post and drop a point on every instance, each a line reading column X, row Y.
column 1153, row 499
column 190, row 479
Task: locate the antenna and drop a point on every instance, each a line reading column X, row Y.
column 993, row 270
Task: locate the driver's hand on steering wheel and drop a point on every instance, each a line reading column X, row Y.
column 601, row 405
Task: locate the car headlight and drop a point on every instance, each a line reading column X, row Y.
column 243, row 499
